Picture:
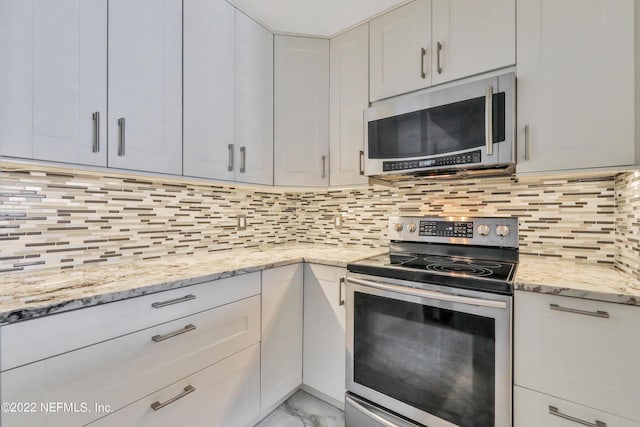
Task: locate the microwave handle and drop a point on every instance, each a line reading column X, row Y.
column 488, row 120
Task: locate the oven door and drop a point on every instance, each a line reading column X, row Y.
column 439, row 356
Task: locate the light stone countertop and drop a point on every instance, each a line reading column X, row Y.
column 574, row 279
column 30, row 295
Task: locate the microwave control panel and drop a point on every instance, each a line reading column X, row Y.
column 458, row 159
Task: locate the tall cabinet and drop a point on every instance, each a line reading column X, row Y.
column 145, row 85
column 349, row 96
column 53, row 89
column 301, row 114
column 576, row 80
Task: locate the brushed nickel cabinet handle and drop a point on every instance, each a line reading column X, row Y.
column 438, row 65
column 156, row 406
column 601, row 314
column 159, row 338
column 230, row 167
column 324, row 167
column 423, row 53
column 340, row 286
column 173, row 301
column 527, row 140
column 361, row 162
column 554, row 411
column 488, row 120
column 96, row 132
column 121, row 124
column 243, row 159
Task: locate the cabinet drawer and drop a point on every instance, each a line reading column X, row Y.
column 532, row 409
column 120, row 371
column 226, row 394
column 579, row 350
column 37, row 339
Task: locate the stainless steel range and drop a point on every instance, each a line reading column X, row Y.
column 429, row 325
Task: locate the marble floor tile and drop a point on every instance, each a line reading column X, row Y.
column 304, row 410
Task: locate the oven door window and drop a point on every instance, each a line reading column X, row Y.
column 438, row 130
column 437, row 360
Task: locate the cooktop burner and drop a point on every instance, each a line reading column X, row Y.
column 455, row 266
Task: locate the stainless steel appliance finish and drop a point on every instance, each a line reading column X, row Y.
column 429, row 325
column 460, row 127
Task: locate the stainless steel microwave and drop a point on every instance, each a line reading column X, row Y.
column 464, row 126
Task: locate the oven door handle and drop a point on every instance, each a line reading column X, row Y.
column 369, row 413
column 429, row 294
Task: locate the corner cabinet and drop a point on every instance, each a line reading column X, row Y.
column 301, row 113
column 53, row 80
column 349, row 95
column 324, row 349
column 576, row 80
column 145, row 85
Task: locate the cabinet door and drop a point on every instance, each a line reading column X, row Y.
column 532, row 409
column 254, row 101
column 471, row 37
column 400, row 43
column 209, row 118
column 53, row 80
column 145, row 85
column 578, row 350
column 225, row 394
column 324, row 351
column 301, row 115
column 349, row 95
column 575, row 84
column 281, row 353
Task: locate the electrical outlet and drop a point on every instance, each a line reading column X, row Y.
column 337, row 221
column 242, row 222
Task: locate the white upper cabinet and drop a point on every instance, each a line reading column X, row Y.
column 53, row 80
column 209, row 119
column 301, row 114
column 428, row 42
column 575, row 84
column 400, row 57
column 254, row 101
column 472, row 36
column 145, row 85
column 349, row 96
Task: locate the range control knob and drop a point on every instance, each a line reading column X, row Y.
column 483, row 230
column 411, row 228
column 399, row 227
column 502, row 230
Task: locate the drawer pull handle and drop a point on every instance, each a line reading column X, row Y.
column 554, row 411
column 156, row 406
column 188, row 328
column 601, row 314
column 173, row 301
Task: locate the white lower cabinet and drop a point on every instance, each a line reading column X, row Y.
column 226, row 394
column 532, row 409
column 324, row 332
column 281, row 353
column 120, row 371
column 579, row 350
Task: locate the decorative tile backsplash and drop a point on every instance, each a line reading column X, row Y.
column 569, row 218
column 628, row 222
column 51, row 218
